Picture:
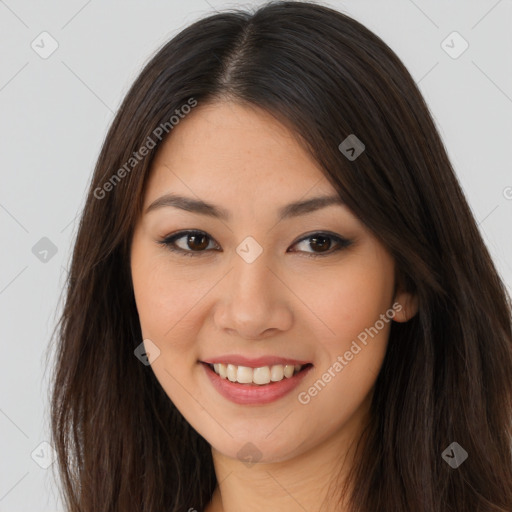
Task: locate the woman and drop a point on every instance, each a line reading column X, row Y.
column 279, row 298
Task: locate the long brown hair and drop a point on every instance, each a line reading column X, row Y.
column 121, row 443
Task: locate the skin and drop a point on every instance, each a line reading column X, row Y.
column 284, row 303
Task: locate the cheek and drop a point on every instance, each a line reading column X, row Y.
column 165, row 299
column 349, row 360
column 349, row 299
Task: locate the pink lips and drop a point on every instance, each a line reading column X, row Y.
column 254, row 394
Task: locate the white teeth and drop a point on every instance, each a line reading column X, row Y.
column 261, row 376
column 231, row 372
column 244, row 375
column 223, row 371
column 288, row 370
column 277, row 373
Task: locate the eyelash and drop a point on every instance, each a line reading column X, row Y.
column 169, row 241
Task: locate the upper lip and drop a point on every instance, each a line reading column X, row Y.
column 257, row 362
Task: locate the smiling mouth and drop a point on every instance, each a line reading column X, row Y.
column 261, row 376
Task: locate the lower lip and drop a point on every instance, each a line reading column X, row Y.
column 253, row 394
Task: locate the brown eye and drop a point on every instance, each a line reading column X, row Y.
column 197, row 242
column 321, row 244
column 193, row 243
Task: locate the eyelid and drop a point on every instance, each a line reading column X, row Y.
column 168, row 242
column 338, row 238
column 341, row 242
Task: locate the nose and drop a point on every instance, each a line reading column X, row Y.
column 253, row 303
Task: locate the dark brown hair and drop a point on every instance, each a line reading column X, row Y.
column 121, row 443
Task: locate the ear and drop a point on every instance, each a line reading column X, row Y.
column 405, row 304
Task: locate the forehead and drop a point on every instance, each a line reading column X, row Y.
column 229, row 149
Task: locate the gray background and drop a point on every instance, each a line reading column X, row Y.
column 55, row 113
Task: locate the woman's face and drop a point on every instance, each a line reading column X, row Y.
column 263, row 285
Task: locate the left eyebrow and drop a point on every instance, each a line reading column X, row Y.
column 294, row 209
